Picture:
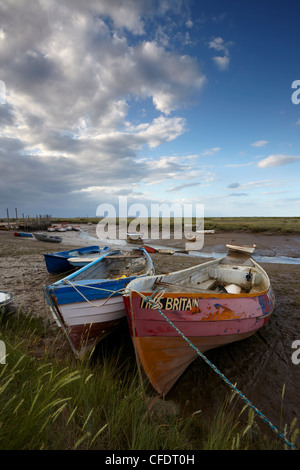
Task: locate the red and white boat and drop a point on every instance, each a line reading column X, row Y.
column 211, row 304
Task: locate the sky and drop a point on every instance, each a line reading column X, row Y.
column 152, row 101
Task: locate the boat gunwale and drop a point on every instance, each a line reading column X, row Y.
column 202, row 293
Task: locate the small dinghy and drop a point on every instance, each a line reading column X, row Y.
column 22, row 234
column 42, row 237
column 6, row 298
column 59, row 262
column 88, row 304
column 241, row 248
column 211, row 304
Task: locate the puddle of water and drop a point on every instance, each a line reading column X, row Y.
column 84, row 237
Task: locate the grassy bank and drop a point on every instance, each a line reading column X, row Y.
column 280, row 225
column 52, row 402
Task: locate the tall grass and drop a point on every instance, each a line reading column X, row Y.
column 46, row 404
column 49, row 402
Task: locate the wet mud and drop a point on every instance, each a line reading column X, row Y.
column 259, row 366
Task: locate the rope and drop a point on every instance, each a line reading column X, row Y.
column 153, row 302
column 112, row 292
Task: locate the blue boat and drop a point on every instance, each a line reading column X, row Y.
column 88, row 304
column 57, row 263
column 22, row 234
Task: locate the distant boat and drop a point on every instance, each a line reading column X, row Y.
column 149, row 249
column 80, row 261
column 61, row 229
column 212, row 304
column 57, row 263
column 22, row 234
column 47, row 238
column 241, row 248
column 165, row 251
column 134, row 237
column 6, row 298
column 88, row 304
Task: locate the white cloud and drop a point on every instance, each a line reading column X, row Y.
column 277, row 160
column 72, row 74
column 222, row 62
column 211, row 151
column 219, row 45
column 260, row 143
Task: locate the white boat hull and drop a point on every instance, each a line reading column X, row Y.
column 85, row 323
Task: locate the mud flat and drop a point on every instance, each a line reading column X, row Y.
column 259, row 365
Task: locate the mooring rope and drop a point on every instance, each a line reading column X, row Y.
column 153, row 301
column 112, row 292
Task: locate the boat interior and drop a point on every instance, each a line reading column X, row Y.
column 234, row 275
column 114, row 266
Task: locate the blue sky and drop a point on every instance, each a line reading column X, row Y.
column 170, row 101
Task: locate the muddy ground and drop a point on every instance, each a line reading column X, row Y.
column 259, row 366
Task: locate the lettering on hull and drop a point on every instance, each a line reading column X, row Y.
column 174, row 303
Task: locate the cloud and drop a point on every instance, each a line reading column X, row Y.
column 260, row 143
column 222, row 62
column 237, row 165
column 219, row 45
column 277, row 160
column 211, row 151
column 233, row 185
column 72, row 75
column 183, row 186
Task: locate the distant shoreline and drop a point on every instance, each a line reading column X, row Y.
column 275, row 225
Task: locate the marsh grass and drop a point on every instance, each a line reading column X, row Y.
column 280, row 225
column 59, row 403
column 45, row 404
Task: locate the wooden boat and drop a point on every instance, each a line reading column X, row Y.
column 88, row 304
column 22, row 234
column 134, row 237
column 212, row 304
column 80, row 261
column 241, row 248
column 6, row 298
column 149, row 249
column 165, row 251
column 61, row 228
column 47, row 238
column 58, row 262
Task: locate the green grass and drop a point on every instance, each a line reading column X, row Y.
column 52, row 402
column 280, row 225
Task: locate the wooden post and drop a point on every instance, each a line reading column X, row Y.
column 17, row 220
column 8, row 225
